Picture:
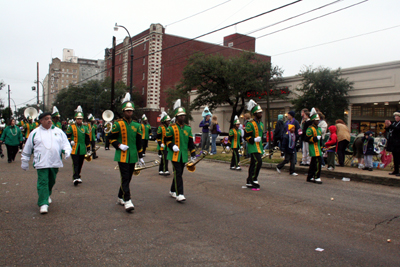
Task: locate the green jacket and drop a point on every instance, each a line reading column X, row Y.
column 80, row 136
column 11, row 136
column 146, row 131
column 58, row 124
column 314, row 144
column 92, row 131
column 127, row 133
column 180, row 135
column 254, row 129
column 161, row 132
column 235, row 138
column 29, row 127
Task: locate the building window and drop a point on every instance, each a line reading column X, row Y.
column 63, row 70
column 144, row 46
column 67, row 70
column 144, row 61
column 379, row 112
column 367, row 111
column 75, row 71
column 356, row 110
column 119, row 69
column 143, row 90
column 63, row 75
column 144, row 76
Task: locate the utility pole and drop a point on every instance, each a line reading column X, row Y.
column 37, row 84
column 9, row 105
column 269, row 124
column 113, row 74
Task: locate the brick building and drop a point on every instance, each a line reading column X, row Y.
column 159, row 60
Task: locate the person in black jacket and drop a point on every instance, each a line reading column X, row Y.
column 368, row 150
column 393, row 144
column 289, row 148
column 306, row 159
column 279, row 131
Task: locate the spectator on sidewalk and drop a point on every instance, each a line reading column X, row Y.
column 358, row 150
column 292, row 120
column 215, row 130
column 343, row 134
column 205, row 125
column 368, row 150
column 279, row 131
column 306, row 159
column 393, row 144
column 289, row 148
column 331, row 146
column 324, row 128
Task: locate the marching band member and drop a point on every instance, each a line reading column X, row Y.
column 46, row 143
column 2, row 127
column 79, row 137
column 314, row 135
column 12, row 137
column 126, row 137
column 179, row 140
column 161, row 147
column 92, row 128
column 146, row 133
column 235, row 142
column 55, row 116
column 253, row 135
column 29, row 127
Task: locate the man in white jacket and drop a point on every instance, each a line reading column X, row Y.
column 47, row 143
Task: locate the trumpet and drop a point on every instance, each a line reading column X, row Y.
column 247, row 161
column 191, row 165
column 89, row 155
column 108, row 116
column 137, row 170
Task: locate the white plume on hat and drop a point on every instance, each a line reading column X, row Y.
column 177, row 104
column 55, row 110
column 251, row 105
column 312, row 112
column 78, row 109
column 173, row 120
column 90, row 116
column 163, row 114
column 126, row 98
column 40, row 112
column 236, row 118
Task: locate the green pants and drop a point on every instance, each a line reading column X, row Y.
column 45, row 183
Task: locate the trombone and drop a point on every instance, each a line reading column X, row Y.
column 247, row 161
column 108, row 116
column 137, row 170
column 89, row 155
column 191, row 165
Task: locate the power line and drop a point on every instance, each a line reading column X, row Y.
column 197, row 13
column 339, row 40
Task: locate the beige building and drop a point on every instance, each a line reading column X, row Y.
column 375, row 97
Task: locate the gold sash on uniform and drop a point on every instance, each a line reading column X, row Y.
column 257, row 135
column 176, row 141
column 124, row 137
column 75, row 131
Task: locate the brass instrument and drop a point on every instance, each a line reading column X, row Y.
column 89, row 155
column 191, row 165
column 108, row 116
column 30, row 112
column 137, row 170
column 247, row 161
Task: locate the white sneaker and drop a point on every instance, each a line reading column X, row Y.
column 180, row 198
column 161, row 173
column 330, row 169
column 44, row 209
column 238, row 168
column 120, row 201
column 318, row 181
column 294, row 174
column 211, row 154
column 256, row 182
column 129, row 205
column 172, row 194
column 20, row 151
column 50, row 200
column 232, row 168
column 75, row 181
column 79, row 180
column 278, row 170
column 166, row 173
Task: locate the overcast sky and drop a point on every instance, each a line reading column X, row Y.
column 36, row 31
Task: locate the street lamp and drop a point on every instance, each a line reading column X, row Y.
column 116, row 29
column 33, row 89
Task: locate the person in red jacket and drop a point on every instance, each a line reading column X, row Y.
column 331, row 146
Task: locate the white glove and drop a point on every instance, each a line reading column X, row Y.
column 72, row 143
column 141, row 162
column 162, row 145
column 175, row 148
column 319, row 137
column 257, row 139
column 67, row 154
column 193, row 158
column 123, row 147
column 25, row 165
column 228, row 148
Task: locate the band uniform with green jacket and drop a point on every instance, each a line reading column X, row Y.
column 235, row 143
column 313, row 137
column 253, row 135
column 55, row 117
column 179, row 140
column 92, row 128
column 126, row 138
column 146, row 133
column 161, row 146
column 80, row 141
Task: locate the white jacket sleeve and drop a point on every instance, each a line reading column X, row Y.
column 28, row 148
column 66, row 146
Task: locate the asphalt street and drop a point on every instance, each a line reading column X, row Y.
column 220, row 224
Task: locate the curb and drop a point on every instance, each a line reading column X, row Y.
column 357, row 177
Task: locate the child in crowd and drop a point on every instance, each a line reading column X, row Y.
column 368, row 150
column 331, row 146
column 289, row 147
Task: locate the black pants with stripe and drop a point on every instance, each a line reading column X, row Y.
column 11, row 152
column 145, row 144
column 254, row 169
column 77, row 163
column 235, row 157
column 126, row 171
column 93, row 145
column 314, row 171
column 164, row 161
column 177, row 181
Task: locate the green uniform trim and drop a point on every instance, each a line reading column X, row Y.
column 127, row 135
column 180, row 137
column 79, row 137
column 146, row 131
column 256, row 129
column 236, row 138
column 314, row 144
